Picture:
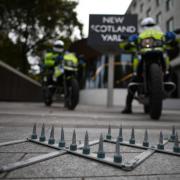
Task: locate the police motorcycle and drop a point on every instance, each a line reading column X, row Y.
column 152, row 85
column 60, row 83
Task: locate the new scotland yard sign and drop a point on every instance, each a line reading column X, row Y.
column 106, row 31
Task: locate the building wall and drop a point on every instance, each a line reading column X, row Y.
column 141, row 7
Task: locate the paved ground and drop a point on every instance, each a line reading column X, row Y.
column 17, row 119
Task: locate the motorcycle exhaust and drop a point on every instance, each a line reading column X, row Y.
column 169, row 88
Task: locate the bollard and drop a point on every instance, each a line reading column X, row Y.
column 160, row 145
column 132, row 139
column 42, row 138
column 108, row 136
column 101, row 153
column 173, row 135
column 145, row 142
column 117, row 156
column 86, row 148
column 176, row 147
column 34, row 134
column 62, row 141
column 73, row 146
column 51, row 138
column 120, row 137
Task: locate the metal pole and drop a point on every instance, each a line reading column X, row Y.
column 110, row 81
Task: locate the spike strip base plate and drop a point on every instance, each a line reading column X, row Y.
column 128, row 165
column 126, row 143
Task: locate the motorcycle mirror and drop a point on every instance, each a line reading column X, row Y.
column 177, row 31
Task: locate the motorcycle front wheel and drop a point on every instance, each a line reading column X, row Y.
column 155, row 99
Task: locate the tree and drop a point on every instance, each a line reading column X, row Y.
column 31, row 23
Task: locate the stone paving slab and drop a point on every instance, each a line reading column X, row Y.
column 144, row 177
column 6, row 158
column 25, row 147
column 72, row 166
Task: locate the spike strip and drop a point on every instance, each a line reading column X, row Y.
column 111, row 161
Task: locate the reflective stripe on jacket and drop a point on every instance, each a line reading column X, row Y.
column 50, row 58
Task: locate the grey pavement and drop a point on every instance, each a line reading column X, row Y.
column 17, row 119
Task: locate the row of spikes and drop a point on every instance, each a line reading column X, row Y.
column 86, row 148
column 73, row 145
column 173, row 137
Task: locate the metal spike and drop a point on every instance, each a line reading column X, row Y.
column 34, row 134
column 73, row 146
column 51, row 138
column 101, row 153
column 176, row 147
column 146, row 141
column 173, row 135
column 117, row 156
column 42, row 138
column 160, row 145
column 120, row 137
column 62, row 141
column 86, row 148
column 132, row 139
column 108, row 136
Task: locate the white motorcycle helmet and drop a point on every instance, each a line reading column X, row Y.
column 148, row 22
column 58, row 46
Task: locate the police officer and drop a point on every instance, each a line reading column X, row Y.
column 52, row 59
column 147, row 23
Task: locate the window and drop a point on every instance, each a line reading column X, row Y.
column 169, row 4
column 141, row 8
column 134, row 5
column 159, row 18
column 170, row 24
column 157, row 2
column 148, row 12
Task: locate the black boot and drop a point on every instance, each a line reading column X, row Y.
column 128, row 107
column 126, row 110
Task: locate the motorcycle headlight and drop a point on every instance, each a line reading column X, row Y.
column 150, row 42
column 147, row 43
column 70, row 64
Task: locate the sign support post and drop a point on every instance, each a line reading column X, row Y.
column 110, row 80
